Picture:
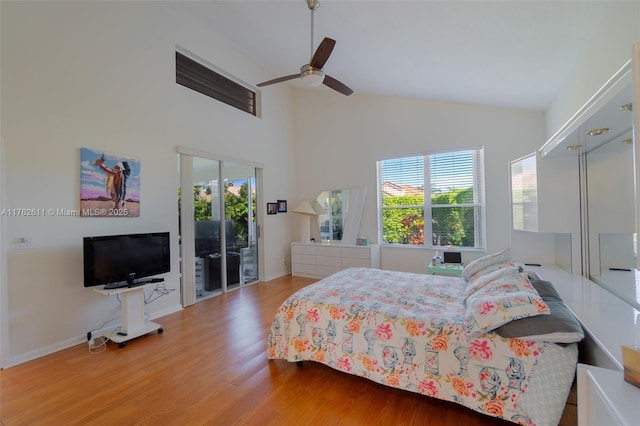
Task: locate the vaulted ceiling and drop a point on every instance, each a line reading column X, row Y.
column 513, row 54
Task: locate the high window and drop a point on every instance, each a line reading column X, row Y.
column 452, row 213
column 192, row 74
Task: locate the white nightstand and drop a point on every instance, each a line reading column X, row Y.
column 453, row 269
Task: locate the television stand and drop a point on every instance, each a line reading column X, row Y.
column 134, row 323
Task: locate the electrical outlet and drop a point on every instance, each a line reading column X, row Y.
column 95, row 342
column 23, row 243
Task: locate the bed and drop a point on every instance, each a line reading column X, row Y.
column 436, row 335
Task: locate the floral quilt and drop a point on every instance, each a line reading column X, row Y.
column 406, row 331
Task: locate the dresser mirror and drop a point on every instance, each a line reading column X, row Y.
column 610, row 198
column 339, row 214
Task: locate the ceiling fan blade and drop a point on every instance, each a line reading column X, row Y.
column 322, row 53
column 278, row 80
column 336, row 85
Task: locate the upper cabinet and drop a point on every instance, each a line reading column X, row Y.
column 600, row 137
column 606, row 116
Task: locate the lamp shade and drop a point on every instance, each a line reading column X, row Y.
column 318, row 208
column 305, row 207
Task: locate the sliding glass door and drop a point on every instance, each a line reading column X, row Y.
column 218, row 226
column 240, row 216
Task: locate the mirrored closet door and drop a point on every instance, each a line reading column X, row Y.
column 610, row 198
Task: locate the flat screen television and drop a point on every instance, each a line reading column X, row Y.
column 124, row 260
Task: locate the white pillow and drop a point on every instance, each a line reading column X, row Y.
column 481, row 279
column 501, row 301
column 491, row 259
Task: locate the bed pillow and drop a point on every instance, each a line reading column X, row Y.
column 481, row 279
column 545, row 289
column 502, row 301
column 489, row 269
column 491, row 259
column 560, row 326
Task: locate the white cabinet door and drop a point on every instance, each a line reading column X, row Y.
column 604, row 398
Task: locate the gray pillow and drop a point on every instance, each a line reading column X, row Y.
column 560, row 326
column 545, row 289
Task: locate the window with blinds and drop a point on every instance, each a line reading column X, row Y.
column 453, row 212
column 200, row 78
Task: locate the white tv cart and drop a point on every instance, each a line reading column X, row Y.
column 134, row 323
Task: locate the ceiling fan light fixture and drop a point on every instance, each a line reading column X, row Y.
column 310, row 76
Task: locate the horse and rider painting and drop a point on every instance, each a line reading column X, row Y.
column 110, row 185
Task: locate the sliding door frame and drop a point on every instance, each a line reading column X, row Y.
column 188, row 278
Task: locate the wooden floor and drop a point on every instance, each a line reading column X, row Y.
column 209, row 367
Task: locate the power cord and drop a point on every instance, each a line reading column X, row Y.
column 159, row 291
column 101, row 345
column 102, row 342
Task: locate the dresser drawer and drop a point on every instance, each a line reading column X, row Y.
column 304, row 258
column 357, row 253
column 304, row 249
column 328, row 251
column 302, row 269
column 335, row 262
column 355, row 263
column 321, row 260
column 325, row 271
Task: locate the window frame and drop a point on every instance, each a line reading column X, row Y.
column 478, row 204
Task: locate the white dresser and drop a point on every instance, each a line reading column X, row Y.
column 317, row 260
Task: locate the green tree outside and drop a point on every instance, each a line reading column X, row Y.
column 236, row 207
column 403, row 222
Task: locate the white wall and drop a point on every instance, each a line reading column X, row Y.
column 609, row 51
column 102, row 76
column 339, row 140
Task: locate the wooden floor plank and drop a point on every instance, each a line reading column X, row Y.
column 209, row 367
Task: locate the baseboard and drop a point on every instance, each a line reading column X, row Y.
column 274, row 276
column 65, row 344
column 164, row 312
column 44, row 351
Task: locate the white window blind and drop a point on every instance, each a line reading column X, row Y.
column 451, row 214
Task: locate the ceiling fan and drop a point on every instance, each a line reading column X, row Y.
column 311, row 74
